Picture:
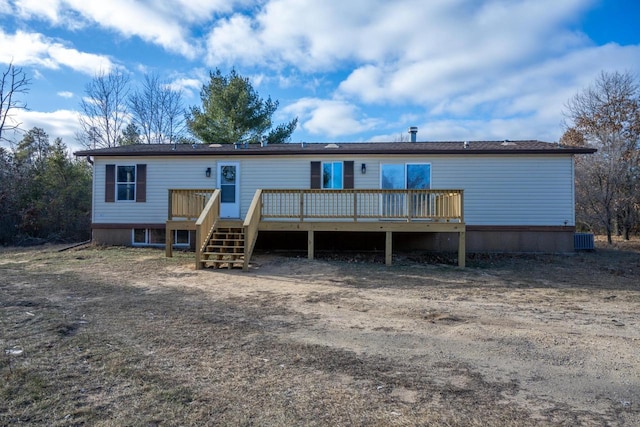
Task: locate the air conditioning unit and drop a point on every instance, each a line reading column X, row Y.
column 583, row 242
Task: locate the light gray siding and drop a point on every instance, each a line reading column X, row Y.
column 498, row 190
column 511, row 190
column 162, row 174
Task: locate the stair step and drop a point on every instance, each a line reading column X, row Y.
column 221, row 253
column 218, row 252
column 225, row 248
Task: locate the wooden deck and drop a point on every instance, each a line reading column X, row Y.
column 387, row 211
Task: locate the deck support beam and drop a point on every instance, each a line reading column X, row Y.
column 462, row 249
column 388, row 247
column 310, row 244
column 170, row 227
column 168, row 244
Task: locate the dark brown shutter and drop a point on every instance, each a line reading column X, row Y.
column 141, row 183
column 110, row 184
column 348, row 174
column 316, row 175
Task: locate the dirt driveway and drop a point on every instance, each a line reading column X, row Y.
column 112, row 336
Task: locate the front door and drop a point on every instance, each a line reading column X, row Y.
column 229, row 185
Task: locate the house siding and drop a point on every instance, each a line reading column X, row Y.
column 522, row 190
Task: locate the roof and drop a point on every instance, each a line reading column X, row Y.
column 350, row 148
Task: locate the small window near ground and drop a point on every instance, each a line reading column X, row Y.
column 182, row 237
column 332, row 175
column 157, row 237
column 140, row 236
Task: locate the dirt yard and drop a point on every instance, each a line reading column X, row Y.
column 114, row 336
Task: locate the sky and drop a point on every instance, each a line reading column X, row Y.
column 350, row 71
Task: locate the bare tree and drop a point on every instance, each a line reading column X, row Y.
column 13, row 82
column 157, row 111
column 606, row 116
column 104, row 110
column 401, row 138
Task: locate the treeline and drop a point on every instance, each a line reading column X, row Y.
column 45, row 194
column 606, row 116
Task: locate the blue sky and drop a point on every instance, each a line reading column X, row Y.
column 357, row 70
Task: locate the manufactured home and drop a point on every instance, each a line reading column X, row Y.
column 478, row 196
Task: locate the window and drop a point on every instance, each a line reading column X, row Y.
column 126, row 183
column 411, row 176
column 156, row 237
column 181, row 237
column 332, row 175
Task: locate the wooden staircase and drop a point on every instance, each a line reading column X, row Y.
column 225, row 248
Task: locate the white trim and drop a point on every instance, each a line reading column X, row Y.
column 229, row 210
column 332, row 163
column 134, row 183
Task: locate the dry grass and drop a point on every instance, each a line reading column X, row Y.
column 115, row 336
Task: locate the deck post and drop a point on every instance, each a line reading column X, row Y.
column 355, row 205
column 310, row 244
column 462, row 250
column 388, row 249
column 168, row 241
column 301, row 205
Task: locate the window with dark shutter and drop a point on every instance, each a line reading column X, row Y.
column 141, row 183
column 110, row 184
column 348, row 181
column 316, row 176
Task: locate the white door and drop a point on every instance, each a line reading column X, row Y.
column 229, row 185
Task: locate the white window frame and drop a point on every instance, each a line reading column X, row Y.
column 406, row 175
column 119, row 183
column 147, row 238
column 398, row 204
column 333, row 165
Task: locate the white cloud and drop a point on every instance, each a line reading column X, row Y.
column 5, row 7
column 35, row 49
column 65, row 94
column 187, row 85
column 332, row 118
column 321, row 35
column 460, row 58
column 137, row 19
column 166, row 23
column 61, row 123
column 43, row 9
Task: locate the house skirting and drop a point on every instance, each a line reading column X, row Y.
column 508, row 239
column 550, row 239
column 118, row 234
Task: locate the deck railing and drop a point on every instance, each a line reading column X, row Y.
column 250, row 225
column 205, row 224
column 408, row 205
column 187, row 203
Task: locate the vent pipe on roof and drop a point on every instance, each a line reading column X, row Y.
column 413, row 131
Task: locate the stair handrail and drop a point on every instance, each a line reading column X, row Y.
column 206, row 224
column 250, row 225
